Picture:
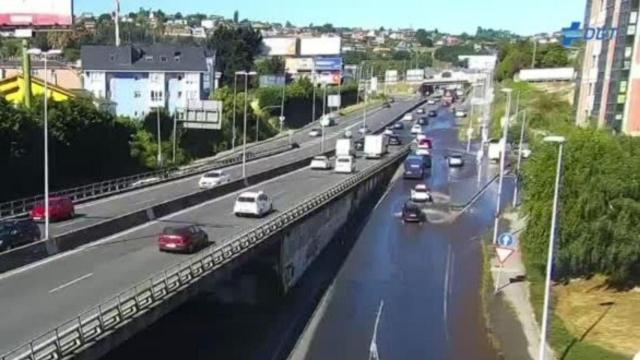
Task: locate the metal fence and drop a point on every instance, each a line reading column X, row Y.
column 88, row 326
column 103, row 188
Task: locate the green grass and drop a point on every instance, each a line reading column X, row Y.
column 566, row 345
column 358, row 107
column 486, row 289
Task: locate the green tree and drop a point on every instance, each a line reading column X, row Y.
column 236, row 49
column 554, row 55
column 270, row 66
column 236, row 16
column 423, row 38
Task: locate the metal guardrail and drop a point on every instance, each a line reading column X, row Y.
column 100, row 189
column 87, row 327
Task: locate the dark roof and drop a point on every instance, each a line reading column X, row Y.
column 157, row 57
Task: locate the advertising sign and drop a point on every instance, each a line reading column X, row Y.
column 334, row 101
column 294, row 65
column 280, row 46
column 328, row 64
column 327, row 45
column 391, row 76
column 329, row 78
column 36, row 13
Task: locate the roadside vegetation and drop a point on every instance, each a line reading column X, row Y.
column 598, row 236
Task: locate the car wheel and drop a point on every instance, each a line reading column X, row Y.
column 191, row 248
column 72, row 214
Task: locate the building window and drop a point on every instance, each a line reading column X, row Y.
column 156, row 96
column 163, row 58
column 623, row 86
column 148, row 58
column 137, row 94
column 631, row 30
column 622, row 98
column 179, row 94
column 135, row 113
column 633, row 17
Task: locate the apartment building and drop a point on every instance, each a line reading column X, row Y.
column 609, row 83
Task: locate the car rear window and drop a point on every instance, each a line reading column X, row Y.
column 321, row 158
column 344, row 160
column 246, row 199
column 213, row 175
column 174, row 231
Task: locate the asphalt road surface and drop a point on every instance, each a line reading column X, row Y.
column 422, row 283
column 103, row 209
column 36, row 298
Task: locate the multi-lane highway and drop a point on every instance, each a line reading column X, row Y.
column 38, row 297
column 428, row 277
column 107, row 208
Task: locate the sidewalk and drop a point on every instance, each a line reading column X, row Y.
column 515, row 290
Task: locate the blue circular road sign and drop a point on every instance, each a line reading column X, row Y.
column 506, row 240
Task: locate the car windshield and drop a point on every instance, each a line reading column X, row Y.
column 320, row 158
column 213, row 175
column 344, row 160
column 246, row 199
column 5, row 229
column 411, row 207
column 420, row 190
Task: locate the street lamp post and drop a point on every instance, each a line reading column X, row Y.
column 552, row 235
column 246, row 75
column 284, row 86
column 235, row 97
column 175, row 137
column 502, row 160
column 159, row 155
column 45, row 55
column 515, row 188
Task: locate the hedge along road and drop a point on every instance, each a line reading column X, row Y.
column 38, row 298
column 100, row 210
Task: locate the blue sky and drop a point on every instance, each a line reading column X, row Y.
column 521, row 16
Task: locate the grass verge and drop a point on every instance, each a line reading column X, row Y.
column 353, row 108
column 487, row 290
column 566, row 345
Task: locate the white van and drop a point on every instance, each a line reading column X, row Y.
column 345, row 164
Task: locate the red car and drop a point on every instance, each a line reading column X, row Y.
column 185, row 238
column 425, row 144
column 60, row 208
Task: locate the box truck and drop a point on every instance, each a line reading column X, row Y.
column 375, row 146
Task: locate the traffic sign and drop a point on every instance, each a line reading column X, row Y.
column 503, row 254
column 507, row 240
column 281, row 118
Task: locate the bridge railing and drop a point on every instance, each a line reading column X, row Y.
column 88, row 327
column 108, row 187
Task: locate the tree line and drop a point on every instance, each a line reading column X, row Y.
column 598, row 231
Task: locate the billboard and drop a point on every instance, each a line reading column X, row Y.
column 328, row 64
column 334, row 101
column 320, row 46
column 294, row 65
column 329, row 78
column 36, row 13
column 280, row 46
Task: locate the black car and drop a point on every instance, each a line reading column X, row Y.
column 398, row 126
column 14, row 233
column 424, row 121
column 433, row 113
column 412, row 212
column 394, row 140
column 386, row 105
column 359, row 144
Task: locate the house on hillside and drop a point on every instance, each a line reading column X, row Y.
column 139, row 79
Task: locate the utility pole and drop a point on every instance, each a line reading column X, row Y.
column 535, row 48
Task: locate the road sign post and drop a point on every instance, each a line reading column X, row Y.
column 506, row 246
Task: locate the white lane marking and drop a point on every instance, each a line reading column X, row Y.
column 373, row 348
column 446, row 293
column 70, row 283
column 137, row 228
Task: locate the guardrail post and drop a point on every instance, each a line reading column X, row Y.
column 58, row 347
column 80, row 330
column 100, row 320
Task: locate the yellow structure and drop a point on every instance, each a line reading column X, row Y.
column 12, row 89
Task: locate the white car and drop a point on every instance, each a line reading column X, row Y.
column 423, row 152
column 345, row 164
column 420, row 137
column 213, row 179
column 327, row 120
column 363, row 130
column 408, row 117
column 455, row 161
column 389, row 131
column 420, row 111
column 320, row 163
column 315, row 132
column 421, row 194
column 252, row 204
column 416, row 129
column 460, row 113
column 431, row 102
column 348, row 134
